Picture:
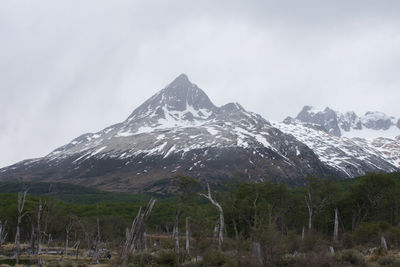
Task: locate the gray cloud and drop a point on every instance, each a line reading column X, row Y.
column 69, row 67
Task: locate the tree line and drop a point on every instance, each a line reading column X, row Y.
column 269, row 220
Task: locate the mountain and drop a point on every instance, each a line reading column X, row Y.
column 371, row 125
column 177, row 131
column 180, row 131
column 348, row 143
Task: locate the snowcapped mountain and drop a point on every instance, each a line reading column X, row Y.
column 371, row 125
column 178, row 130
column 351, row 156
column 351, row 144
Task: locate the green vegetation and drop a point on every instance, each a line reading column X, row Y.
column 72, row 193
column 266, row 224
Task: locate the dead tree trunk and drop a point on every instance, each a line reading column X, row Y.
column 3, row 233
column 221, row 216
column 96, row 253
column 68, row 228
column 383, row 243
column 257, row 252
column 145, row 241
column 20, row 208
column 336, row 226
column 309, row 204
column 77, row 249
column 216, row 232
column 33, row 237
column 48, row 207
column 175, row 231
column 38, row 231
column 187, row 235
column 87, row 236
column 49, row 239
column 134, row 236
column 235, row 229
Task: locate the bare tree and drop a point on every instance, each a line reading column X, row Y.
column 86, row 233
column 185, row 186
column 21, row 214
column 315, row 201
column 49, row 239
column 68, row 228
column 134, row 236
column 38, row 231
column 383, row 243
column 235, row 229
column 145, row 241
column 187, row 235
column 96, row 253
column 33, row 234
column 77, row 244
column 48, row 206
column 3, row 233
column 309, row 203
column 336, row 226
column 221, row 216
column 175, row 230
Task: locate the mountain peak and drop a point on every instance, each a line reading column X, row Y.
column 181, row 81
column 324, row 117
column 181, row 96
column 182, row 77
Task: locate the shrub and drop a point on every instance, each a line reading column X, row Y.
column 143, row 259
column 347, row 241
column 392, row 236
column 352, row 256
column 389, row 261
column 313, row 241
column 168, row 257
column 293, row 242
column 310, row 259
column 368, row 232
column 215, row 258
column 270, row 245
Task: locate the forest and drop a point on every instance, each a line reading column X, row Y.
column 327, row 222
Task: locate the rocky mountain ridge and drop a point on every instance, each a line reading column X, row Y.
column 349, row 124
column 346, row 141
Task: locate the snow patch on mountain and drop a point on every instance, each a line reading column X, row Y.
column 353, row 156
column 371, row 125
column 371, row 134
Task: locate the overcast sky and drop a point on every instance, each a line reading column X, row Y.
column 71, row 67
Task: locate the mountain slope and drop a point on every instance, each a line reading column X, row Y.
column 178, row 130
column 351, row 144
column 351, row 156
